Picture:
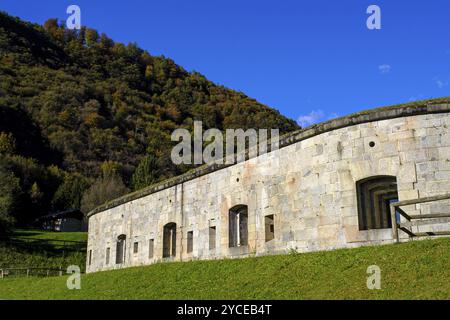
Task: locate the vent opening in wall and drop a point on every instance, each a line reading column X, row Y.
column 151, row 246
column 374, row 196
column 212, row 238
column 108, row 253
column 372, row 144
column 190, row 241
column 269, row 227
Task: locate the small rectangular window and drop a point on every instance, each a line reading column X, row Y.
column 151, row 246
column 90, row 257
column 190, row 241
column 136, row 247
column 107, row 255
column 270, row 227
column 212, row 238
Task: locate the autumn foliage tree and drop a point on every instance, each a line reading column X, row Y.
column 108, row 187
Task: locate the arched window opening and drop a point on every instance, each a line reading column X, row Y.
column 169, row 240
column 120, row 249
column 238, row 226
column 374, row 197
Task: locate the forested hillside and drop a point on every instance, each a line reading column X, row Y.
column 84, row 119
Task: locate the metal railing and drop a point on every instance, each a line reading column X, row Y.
column 398, row 225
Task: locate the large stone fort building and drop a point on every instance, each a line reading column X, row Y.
column 328, row 186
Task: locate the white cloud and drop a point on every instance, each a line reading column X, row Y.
column 417, row 98
column 311, row 118
column 384, row 68
column 440, row 83
column 315, row 116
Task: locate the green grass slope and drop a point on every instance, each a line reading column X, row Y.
column 415, row 270
column 42, row 249
column 32, row 234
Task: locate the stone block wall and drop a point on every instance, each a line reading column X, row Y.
column 308, row 185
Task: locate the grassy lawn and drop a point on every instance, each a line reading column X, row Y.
column 41, row 249
column 49, row 235
column 414, row 270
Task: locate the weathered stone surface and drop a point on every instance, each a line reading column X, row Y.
column 309, row 186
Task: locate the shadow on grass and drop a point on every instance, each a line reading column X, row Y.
column 23, row 233
column 50, row 247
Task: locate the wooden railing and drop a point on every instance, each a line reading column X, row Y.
column 29, row 272
column 396, row 226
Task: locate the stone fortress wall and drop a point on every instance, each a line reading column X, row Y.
column 309, row 195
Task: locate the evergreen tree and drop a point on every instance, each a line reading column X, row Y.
column 9, row 191
column 146, row 173
column 7, row 143
column 70, row 193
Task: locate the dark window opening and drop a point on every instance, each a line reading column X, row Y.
column 190, row 241
column 120, row 249
column 169, row 240
column 269, row 227
column 374, row 197
column 136, row 247
column 90, row 257
column 238, row 226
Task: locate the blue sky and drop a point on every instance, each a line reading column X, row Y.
column 310, row 59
